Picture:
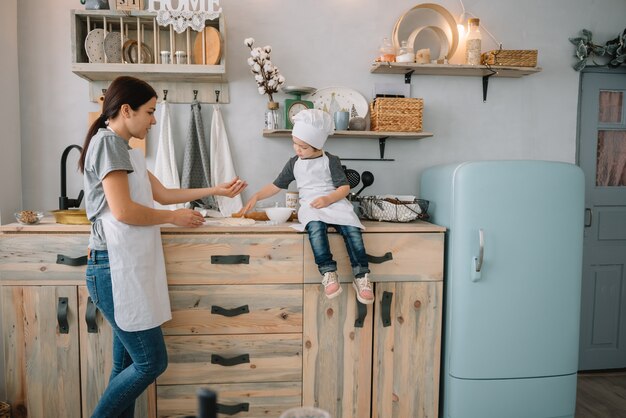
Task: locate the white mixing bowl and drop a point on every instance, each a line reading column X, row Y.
column 278, row 215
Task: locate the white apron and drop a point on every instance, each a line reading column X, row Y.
column 140, row 295
column 314, row 180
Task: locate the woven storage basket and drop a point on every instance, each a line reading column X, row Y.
column 5, row 410
column 511, row 57
column 396, row 115
column 392, row 209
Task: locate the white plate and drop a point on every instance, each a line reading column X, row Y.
column 94, row 45
column 441, row 32
column 113, row 47
column 345, row 97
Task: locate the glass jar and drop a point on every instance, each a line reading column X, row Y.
column 387, row 51
column 405, row 53
column 273, row 118
column 472, row 43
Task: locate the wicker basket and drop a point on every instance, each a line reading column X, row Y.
column 511, row 57
column 396, row 115
column 5, row 410
column 392, row 209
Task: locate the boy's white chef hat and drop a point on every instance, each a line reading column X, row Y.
column 312, row 126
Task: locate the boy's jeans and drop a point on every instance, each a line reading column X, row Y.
column 318, row 237
column 138, row 357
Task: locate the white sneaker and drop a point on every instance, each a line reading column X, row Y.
column 332, row 288
column 364, row 290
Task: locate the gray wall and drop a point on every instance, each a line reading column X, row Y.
column 331, row 43
column 10, row 173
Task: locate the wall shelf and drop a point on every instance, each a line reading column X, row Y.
column 484, row 71
column 380, row 135
column 179, row 79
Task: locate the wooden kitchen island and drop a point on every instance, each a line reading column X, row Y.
column 250, row 321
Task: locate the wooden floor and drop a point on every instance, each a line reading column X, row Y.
column 601, row 394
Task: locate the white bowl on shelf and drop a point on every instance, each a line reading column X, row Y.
column 278, row 215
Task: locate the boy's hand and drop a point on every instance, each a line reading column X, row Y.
column 246, row 208
column 321, row 202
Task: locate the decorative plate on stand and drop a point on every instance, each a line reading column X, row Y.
column 94, row 45
column 113, row 47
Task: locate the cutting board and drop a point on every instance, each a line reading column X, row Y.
column 134, row 142
column 212, row 46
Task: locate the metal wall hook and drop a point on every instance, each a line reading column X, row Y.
column 217, row 96
column 195, row 94
column 164, row 95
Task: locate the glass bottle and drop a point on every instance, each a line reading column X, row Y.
column 473, row 43
column 273, row 118
column 405, row 53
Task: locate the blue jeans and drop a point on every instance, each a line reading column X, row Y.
column 138, row 357
column 318, row 237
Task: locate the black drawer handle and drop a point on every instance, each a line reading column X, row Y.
column 361, row 310
column 90, row 316
column 218, row 310
column 385, row 308
column 69, row 261
column 230, row 259
column 380, row 259
column 233, row 361
column 232, row 409
column 62, row 309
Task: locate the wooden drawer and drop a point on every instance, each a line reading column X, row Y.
column 228, row 309
column 233, row 259
column 29, row 258
column 250, row 400
column 270, row 357
column 395, row 257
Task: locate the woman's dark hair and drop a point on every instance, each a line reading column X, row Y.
column 123, row 90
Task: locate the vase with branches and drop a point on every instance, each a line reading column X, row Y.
column 268, row 79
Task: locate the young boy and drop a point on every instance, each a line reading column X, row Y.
column 322, row 187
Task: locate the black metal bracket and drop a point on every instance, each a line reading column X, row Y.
column 486, row 84
column 407, row 77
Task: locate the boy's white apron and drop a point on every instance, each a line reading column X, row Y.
column 314, row 180
column 138, row 277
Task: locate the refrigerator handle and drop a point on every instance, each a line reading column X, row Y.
column 477, row 262
column 588, row 211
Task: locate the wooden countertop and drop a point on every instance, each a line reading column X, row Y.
column 48, row 225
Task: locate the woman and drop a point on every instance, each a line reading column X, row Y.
column 126, row 270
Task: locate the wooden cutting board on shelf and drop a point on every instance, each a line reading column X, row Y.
column 134, row 142
column 212, row 47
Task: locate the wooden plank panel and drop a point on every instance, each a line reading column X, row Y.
column 416, row 257
column 42, row 375
column 272, row 309
column 407, row 353
column 266, row 399
column 32, row 257
column 272, row 259
column 337, row 355
column 273, row 357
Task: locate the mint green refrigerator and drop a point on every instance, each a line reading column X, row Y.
column 512, row 286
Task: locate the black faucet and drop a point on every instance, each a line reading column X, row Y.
column 64, row 202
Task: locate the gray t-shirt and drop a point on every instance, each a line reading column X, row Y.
column 336, row 172
column 107, row 152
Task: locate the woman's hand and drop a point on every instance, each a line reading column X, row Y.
column 188, row 217
column 231, row 188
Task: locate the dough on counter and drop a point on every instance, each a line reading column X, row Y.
column 235, row 221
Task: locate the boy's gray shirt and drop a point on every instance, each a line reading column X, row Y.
column 107, row 152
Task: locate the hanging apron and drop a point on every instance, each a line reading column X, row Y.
column 314, row 180
column 139, row 283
